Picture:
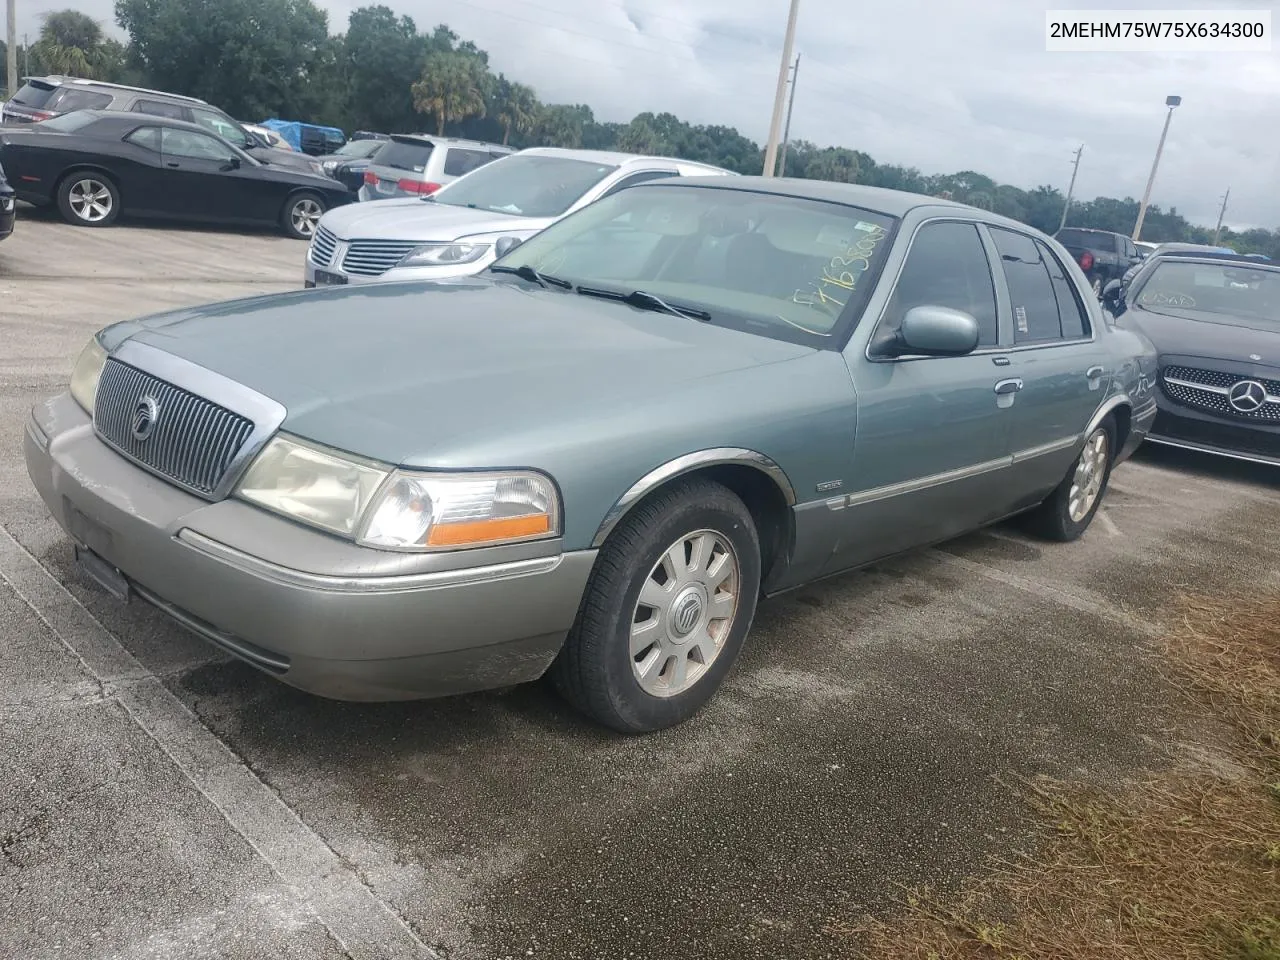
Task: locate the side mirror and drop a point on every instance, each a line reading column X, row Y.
column 938, row 332
column 231, row 163
column 1113, row 295
column 504, row 245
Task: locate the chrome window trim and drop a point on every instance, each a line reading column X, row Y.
column 716, row 456
column 401, row 583
column 266, row 414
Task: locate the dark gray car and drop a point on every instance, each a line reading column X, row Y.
column 597, row 456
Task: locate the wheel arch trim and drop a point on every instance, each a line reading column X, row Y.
column 688, row 463
column 1108, row 406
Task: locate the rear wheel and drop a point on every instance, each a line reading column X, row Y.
column 1069, row 510
column 88, row 199
column 666, row 610
column 301, row 214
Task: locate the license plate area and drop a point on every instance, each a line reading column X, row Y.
column 103, row 574
column 326, row 279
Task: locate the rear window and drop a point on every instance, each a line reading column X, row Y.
column 69, row 98
column 406, row 155
column 67, row 122
column 34, row 94
column 1079, row 238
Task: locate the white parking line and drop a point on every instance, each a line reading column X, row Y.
column 363, row 924
column 1104, row 518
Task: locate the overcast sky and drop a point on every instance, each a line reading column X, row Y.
column 937, row 84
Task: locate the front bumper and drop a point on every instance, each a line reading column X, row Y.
column 1190, row 430
column 401, row 274
column 317, row 612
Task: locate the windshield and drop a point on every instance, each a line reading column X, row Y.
column 1232, row 290
column 782, row 267
column 525, row 185
column 68, row 122
column 359, row 149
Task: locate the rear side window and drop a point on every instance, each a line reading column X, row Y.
column 1031, row 294
column 947, row 267
column 34, row 94
column 158, row 108
column 458, row 161
column 1071, row 313
column 406, row 155
column 68, row 99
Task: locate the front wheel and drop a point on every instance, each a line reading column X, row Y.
column 301, row 215
column 666, row 610
column 1069, row 510
column 88, row 199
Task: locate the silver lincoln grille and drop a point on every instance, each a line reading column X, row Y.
column 173, row 432
column 1212, row 391
column 371, row 258
column 322, row 247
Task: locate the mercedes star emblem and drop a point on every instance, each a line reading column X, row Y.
column 1247, row 396
column 145, row 413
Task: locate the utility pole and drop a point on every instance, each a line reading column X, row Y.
column 1075, row 168
column 771, row 151
column 11, row 49
column 1221, row 213
column 786, row 130
column 1171, row 103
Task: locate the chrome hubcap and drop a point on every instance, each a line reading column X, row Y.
column 306, row 214
column 90, row 200
column 1086, row 482
column 686, row 609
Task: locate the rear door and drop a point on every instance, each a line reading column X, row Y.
column 1062, row 368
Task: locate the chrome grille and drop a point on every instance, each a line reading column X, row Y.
column 322, row 247
column 192, row 442
column 1209, row 390
column 369, row 258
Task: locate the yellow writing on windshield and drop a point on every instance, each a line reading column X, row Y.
column 840, row 277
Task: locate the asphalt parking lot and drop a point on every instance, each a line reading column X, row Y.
column 160, row 800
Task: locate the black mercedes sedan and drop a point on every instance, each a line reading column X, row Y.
column 8, row 203
column 1215, row 321
column 96, row 165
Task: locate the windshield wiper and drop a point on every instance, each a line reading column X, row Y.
column 526, row 272
column 646, row 301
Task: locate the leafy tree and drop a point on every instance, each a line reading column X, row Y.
column 378, row 52
column 452, row 88
column 517, row 108
column 562, row 125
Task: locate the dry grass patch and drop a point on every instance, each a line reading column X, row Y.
column 1185, row 865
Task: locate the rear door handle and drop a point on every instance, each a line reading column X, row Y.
column 1093, row 373
column 1008, row 386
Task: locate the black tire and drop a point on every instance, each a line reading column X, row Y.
column 87, row 198
column 294, row 223
column 1052, row 519
column 596, row 671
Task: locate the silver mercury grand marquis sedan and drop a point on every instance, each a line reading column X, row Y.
column 592, row 459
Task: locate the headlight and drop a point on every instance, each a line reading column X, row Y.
column 317, row 486
column 6, row 204
column 85, row 376
column 379, row 506
column 443, row 254
column 328, row 167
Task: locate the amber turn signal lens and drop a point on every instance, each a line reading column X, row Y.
column 483, row 531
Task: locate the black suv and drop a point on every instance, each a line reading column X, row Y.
column 1103, row 256
column 40, row 98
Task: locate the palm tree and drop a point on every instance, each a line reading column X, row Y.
column 518, row 108
column 451, row 89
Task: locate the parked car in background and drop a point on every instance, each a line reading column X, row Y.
column 308, row 138
column 348, row 163
column 1102, row 255
column 96, row 164
column 595, row 457
column 413, row 165
column 41, row 98
column 456, row 231
column 273, row 139
column 1145, row 248
column 369, row 135
column 8, row 206
column 1215, row 320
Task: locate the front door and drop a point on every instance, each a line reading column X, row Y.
column 931, row 450
column 1064, row 369
column 202, row 181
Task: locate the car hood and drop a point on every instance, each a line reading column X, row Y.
column 1195, row 333
column 413, row 373
column 416, row 219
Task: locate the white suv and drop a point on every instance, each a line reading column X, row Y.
column 415, row 165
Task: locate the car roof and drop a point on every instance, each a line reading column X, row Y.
column 1110, row 233
column 58, row 79
column 448, row 141
column 893, row 203
column 129, row 118
column 615, row 158
column 1211, row 256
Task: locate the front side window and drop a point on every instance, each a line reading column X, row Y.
column 146, row 137
column 783, row 267
column 1031, row 297
column 196, row 146
column 947, row 266
column 217, row 123
column 526, row 185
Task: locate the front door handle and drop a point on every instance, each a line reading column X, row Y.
column 172, row 165
column 1008, row 386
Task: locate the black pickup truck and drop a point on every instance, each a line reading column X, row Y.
column 1103, row 256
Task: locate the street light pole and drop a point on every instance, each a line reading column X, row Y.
column 1217, row 231
column 786, row 130
column 1171, row 103
column 780, row 96
column 1075, row 168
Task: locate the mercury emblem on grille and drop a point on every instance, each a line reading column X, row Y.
column 145, row 414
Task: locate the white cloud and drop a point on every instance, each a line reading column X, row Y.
column 935, row 84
